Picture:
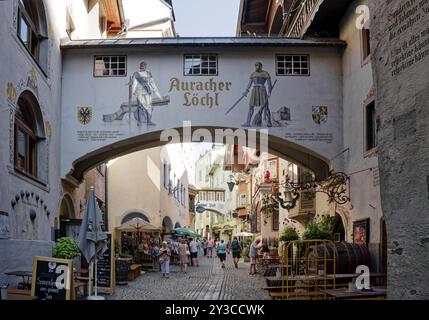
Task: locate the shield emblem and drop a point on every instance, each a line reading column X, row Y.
column 320, row 114
column 84, row 115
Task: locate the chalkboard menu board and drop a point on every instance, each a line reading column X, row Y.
column 105, row 267
column 52, row 278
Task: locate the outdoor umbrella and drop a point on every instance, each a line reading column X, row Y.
column 185, row 232
column 92, row 239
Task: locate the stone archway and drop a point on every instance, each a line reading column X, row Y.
column 66, row 215
column 132, row 215
column 339, row 230
column 344, row 215
column 177, row 225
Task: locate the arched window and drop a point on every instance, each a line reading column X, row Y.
column 32, row 30
column 29, row 135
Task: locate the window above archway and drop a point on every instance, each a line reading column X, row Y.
column 32, row 30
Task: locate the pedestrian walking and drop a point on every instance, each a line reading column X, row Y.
column 183, row 255
column 164, row 259
column 253, row 252
column 221, row 252
column 205, row 246
column 236, row 248
column 210, row 245
column 193, row 248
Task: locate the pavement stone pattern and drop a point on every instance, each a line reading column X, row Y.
column 206, row 282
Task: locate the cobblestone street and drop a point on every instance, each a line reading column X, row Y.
column 206, row 282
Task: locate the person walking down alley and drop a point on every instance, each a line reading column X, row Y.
column 236, row 248
column 221, row 252
column 194, row 247
column 205, row 246
column 253, row 252
column 210, row 245
column 164, row 259
column 183, row 255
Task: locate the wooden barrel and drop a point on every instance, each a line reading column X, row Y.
column 347, row 256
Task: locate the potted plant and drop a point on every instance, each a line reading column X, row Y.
column 289, row 234
column 66, row 248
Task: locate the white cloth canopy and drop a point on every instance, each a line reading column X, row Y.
column 244, row 234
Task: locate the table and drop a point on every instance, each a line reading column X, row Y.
column 12, row 296
column 26, row 277
column 344, row 294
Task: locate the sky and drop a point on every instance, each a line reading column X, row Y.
column 206, row 18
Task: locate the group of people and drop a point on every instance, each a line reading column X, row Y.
column 188, row 249
column 221, row 248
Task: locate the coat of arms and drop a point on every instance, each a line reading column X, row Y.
column 84, row 114
column 320, row 114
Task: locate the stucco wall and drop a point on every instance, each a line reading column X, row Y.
column 401, row 59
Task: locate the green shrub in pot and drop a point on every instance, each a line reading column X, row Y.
column 65, row 248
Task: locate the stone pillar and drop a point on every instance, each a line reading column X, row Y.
column 400, row 53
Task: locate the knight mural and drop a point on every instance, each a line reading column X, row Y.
column 260, row 81
column 143, row 95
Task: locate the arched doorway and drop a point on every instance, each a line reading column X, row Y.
column 69, row 226
column 339, row 230
column 177, row 225
column 133, row 215
column 167, row 224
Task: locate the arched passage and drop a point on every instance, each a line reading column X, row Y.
column 283, row 148
column 67, row 215
column 177, row 225
column 339, row 230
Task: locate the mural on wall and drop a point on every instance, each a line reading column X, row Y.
column 143, row 95
column 361, row 232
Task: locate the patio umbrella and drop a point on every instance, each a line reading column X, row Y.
column 185, row 232
column 92, row 239
column 244, row 234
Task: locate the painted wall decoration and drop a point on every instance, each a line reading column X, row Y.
column 84, row 115
column 361, row 232
column 11, row 92
column 320, row 114
column 241, row 94
column 143, row 96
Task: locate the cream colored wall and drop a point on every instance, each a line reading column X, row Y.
column 134, row 184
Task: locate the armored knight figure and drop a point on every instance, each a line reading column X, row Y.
column 259, row 96
column 143, row 88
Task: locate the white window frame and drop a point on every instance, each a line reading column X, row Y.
column 297, row 62
column 106, row 61
column 193, row 62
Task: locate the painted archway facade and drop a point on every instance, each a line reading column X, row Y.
column 130, row 97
